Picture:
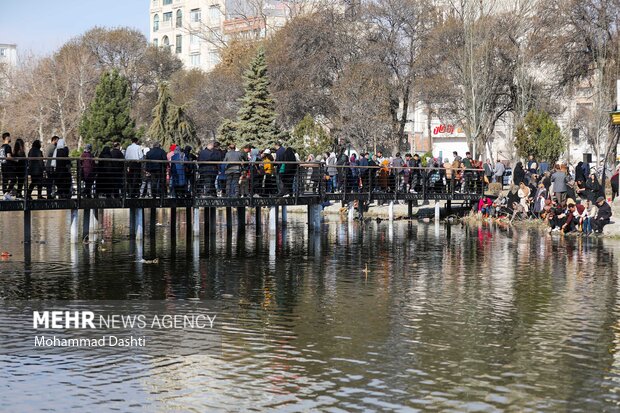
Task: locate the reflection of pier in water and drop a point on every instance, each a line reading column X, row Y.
column 358, row 185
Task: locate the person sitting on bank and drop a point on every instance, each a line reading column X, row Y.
column 573, row 217
column 603, row 215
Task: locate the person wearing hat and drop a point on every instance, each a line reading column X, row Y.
column 603, row 215
column 88, row 170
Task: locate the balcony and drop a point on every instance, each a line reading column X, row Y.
column 241, row 25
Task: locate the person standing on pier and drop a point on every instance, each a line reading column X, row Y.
column 154, row 172
column 35, row 169
column 20, row 166
column 88, row 170
column 6, row 160
column 288, row 171
column 233, row 160
column 133, row 153
column 208, row 172
column 117, row 169
column 49, row 169
column 62, row 170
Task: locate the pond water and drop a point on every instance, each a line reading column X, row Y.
column 371, row 316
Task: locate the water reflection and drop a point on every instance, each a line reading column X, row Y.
column 361, row 316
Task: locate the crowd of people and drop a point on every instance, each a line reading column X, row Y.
column 567, row 201
column 223, row 171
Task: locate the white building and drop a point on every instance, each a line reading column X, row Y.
column 196, row 30
column 8, row 61
column 8, row 54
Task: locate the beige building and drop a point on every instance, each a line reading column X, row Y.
column 196, row 30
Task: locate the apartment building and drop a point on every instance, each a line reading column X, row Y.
column 196, row 30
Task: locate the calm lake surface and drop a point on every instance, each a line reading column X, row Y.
column 445, row 319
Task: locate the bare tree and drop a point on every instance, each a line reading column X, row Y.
column 476, row 55
column 396, row 32
column 581, row 42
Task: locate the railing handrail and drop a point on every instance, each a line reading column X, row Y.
column 196, row 162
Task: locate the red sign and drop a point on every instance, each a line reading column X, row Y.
column 443, row 129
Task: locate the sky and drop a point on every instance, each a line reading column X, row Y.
column 42, row 26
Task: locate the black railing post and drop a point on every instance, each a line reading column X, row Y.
column 370, row 184
column 322, row 181
column 25, row 189
column 79, row 180
column 251, row 189
column 296, row 178
column 162, row 183
column 124, row 195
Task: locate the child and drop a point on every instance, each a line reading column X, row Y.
column 588, row 214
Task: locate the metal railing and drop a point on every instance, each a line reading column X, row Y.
column 67, row 178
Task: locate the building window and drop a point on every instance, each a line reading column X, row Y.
column 214, row 14
column 214, row 58
column 179, row 43
column 194, row 16
column 3, row 52
column 194, row 40
column 179, row 18
column 165, row 42
column 154, row 3
column 167, row 2
column 194, row 60
column 156, row 22
column 168, row 17
column 156, row 42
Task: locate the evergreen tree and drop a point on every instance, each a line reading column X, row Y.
column 159, row 130
column 108, row 118
column 171, row 123
column 228, row 131
column 256, row 118
column 310, row 137
column 182, row 127
column 540, row 136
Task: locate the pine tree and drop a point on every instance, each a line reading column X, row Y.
column 108, row 118
column 159, row 130
column 309, row 137
column 540, row 136
column 182, row 127
column 228, row 131
column 256, row 119
column 171, row 123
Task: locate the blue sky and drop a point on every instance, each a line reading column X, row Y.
column 41, row 26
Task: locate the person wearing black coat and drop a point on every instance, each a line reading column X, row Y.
column 63, row 170
column 208, row 172
column 580, row 175
column 117, row 169
column 35, row 169
column 105, row 170
column 518, row 175
column 593, row 188
column 190, row 169
column 287, row 171
column 603, row 215
column 156, row 170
